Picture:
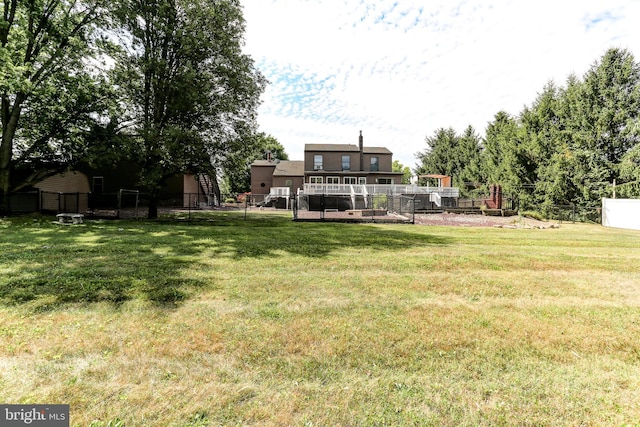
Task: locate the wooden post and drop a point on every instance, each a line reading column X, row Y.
column 614, row 188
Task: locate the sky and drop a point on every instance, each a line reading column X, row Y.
column 398, row 70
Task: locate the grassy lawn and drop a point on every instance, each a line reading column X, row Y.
column 226, row 321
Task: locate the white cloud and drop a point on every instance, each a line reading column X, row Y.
column 398, row 70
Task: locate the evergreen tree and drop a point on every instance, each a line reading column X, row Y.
column 469, row 160
column 441, row 154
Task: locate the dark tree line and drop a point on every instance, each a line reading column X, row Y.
column 567, row 148
column 162, row 82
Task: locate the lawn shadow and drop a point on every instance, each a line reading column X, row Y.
column 52, row 265
column 117, row 261
column 265, row 236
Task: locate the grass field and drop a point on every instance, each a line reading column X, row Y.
column 263, row 321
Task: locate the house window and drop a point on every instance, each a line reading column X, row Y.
column 317, row 180
column 362, row 180
column 288, row 183
column 350, row 180
column 375, row 164
column 386, row 181
column 346, row 163
column 333, row 182
column 317, row 162
column 98, row 184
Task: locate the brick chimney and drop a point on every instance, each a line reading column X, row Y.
column 361, row 146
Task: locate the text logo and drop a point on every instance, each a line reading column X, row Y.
column 34, row 415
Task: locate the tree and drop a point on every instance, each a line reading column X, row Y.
column 191, row 92
column 50, row 90
column 630, row 173
column 586, row 132
column 501, row 151
column 610, row 106
column 237, row 166
column 604, row 124
column 469, row 160
column 440, row 156
column 406, row 171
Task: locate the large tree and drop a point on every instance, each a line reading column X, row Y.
column 604, row 124
column 469, row 160
column 448, row 153
column 237, row 165
column 192, row 94
column 630, row 173
column 441, row 154
column 406, row 171
column 50, row 91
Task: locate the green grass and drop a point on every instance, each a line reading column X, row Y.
column 264, row 321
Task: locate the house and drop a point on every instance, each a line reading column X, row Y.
column 340, row 177
column 87, row 188
column 349, row 164
column 325, row 166
column 275, row 179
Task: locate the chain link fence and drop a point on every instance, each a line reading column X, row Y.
column 369, row 208
column 123, row 204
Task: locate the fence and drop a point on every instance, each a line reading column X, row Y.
column 370, row 208
column 427, row 204
column 621, row 213
column 117, row 205
column 25, row 202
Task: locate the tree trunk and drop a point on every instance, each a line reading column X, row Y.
column 5, row 208
column 10, row 118
column 216, row 189
column 153, row 207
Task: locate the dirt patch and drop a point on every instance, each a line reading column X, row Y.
column 466, row 220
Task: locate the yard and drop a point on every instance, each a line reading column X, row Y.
column 263, row 321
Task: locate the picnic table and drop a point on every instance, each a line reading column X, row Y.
column 74, row 218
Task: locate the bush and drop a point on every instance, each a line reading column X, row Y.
column 533, row 215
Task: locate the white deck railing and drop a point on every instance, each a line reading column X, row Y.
column 277, row 192
column 391, row 189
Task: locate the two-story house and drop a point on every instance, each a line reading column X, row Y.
column 325, row 167
column 349, row 164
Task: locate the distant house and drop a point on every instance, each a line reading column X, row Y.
column 275, row 179
column 343, row 177
column 86, row 188
column 324, row 166
column 349, row 164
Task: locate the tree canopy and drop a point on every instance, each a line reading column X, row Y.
column 237, row 165
column 567, row 147
column 52, row 92
column 192, row 94
column 162, row 82
column 406, row 171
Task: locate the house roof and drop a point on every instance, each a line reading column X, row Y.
column 263, row 163
column 289, row 168
column 331, row 147
column 376, row 150
column 345, row 148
